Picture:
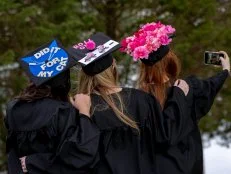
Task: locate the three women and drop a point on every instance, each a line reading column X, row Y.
column 131, row 122
column 139, row 133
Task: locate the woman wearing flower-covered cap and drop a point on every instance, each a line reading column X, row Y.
column 158, row 72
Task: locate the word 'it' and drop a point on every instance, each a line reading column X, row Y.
column 44, row 51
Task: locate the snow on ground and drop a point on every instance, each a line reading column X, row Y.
column 217, row 159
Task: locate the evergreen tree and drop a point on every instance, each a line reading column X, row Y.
column 201, row 25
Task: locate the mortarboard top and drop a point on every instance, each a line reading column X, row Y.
column 46, row 62
column 94, row 54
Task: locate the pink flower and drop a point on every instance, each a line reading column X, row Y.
column 159, row 25
column 149, row 27
column 140, row 41
column 150, row 47
column 147, row 39
column 90, row 44
column 130, row 39
column 133, row 45
column 152, row 43
column 140, row 52
column 164, row 40
column 151, row 40
column 123, row 45
column 169, row 29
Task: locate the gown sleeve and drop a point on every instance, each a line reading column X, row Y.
column 13, row 163
column 204, row 92
column 77, row 149
column 175, row 123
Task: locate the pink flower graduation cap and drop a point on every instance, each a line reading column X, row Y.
column 150, row 43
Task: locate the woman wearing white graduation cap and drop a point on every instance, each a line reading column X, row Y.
column 42, row 125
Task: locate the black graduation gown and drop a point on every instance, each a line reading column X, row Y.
column 53, row 135
column 186, row 156
column 121, row 149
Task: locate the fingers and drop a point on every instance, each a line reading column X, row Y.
column 225, row 61
column 23, row 164
column 82, row 102
column 225, row 54
column 177, row 82
column 182, row 85
column 222, row 59
column 75, row 97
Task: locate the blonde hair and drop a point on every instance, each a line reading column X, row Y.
column 102, row 84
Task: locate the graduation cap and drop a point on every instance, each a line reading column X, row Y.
column 155, row 56
column 159, row 54
column 150, row 43
column 94, row 55
column 47, row 62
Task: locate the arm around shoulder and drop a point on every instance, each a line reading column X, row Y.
column 77, row 148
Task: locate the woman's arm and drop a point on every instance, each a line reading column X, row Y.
column 205, row 91
column 176, row 121
column 78, row 148
column 179, row 109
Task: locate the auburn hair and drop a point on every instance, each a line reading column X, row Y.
column 156, row 79
column 102, row 84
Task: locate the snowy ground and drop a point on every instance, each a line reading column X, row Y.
column 217, row 159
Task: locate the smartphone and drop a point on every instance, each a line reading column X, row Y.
column 212, row 58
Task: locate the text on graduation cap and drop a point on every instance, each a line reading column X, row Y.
column 62, row 64
column 48, row 61
column 45, row 51
column 101, row 49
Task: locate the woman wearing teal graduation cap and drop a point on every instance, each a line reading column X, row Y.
column 42, row 125
column 159, row 70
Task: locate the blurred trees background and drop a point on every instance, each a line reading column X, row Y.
column 201, row 25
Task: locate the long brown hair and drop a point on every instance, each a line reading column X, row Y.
column 56, row 88
column 102, row 84
column 151, row 78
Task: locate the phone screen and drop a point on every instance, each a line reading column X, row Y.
column 213, row 58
